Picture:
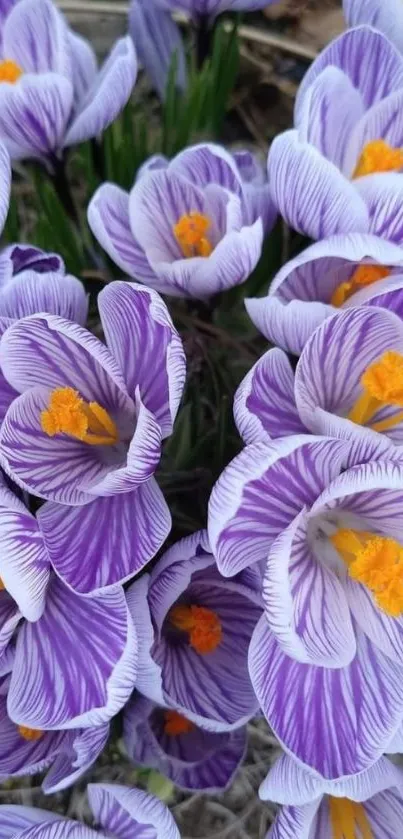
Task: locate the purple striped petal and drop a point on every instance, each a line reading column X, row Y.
column 158, row 41
column 264, row 404
column 371, row 62
column 208, row 163
column 143, row 340
column 329, row 372
column 262, row 490
column 108, row 94
column 305, row 603
column 148, row 677
column 382, row 122
column 322, row 202
column 10, row 617
column 59, row 829
column 196, row 760
column 5, row 184
column 77, row 664
column 354, row 711
column 29, row 258
column 15, row 819
column 19, row 756
column 289, row 325
column 36, row 37
column 384, row 15
column 117, row 536
column 384, row 632
column 24, row 563
column 329, row 113
column 34, row 114
column 108, row 218
column 71, row 763
column 83, row 65
column 31, row 292
column 122, row 812
column 295, row 821
column 385, row 813
column 383, row 196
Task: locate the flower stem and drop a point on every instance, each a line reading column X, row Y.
column 62, row 188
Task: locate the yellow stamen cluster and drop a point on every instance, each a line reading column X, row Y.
column 378, row 156
column 68, row 413
column 364, row 275
column 10, row 71
column 382, row 384
column 377, row 563
column 191, row 234
column 31, row 734
column 348, row 820
column 176, row 724
column 203, row 626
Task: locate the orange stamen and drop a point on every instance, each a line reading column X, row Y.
column 191, row 234
column 345, row 817
column 10, row 71
column 377, row 563
column 29, row 733
column 68, row 413
column 364, row 275
column 378, row 156
column 203, row 626
column 176, row 724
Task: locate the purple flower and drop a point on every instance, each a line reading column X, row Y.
column 385, row 15
column 328, row 530
column 331, row 275
column 347, row 384
column 51, row 94
column 86, row 431
column 192, row 645
column 211, row 8
column 157, row 38
column 338, row 170
column 192, row 758
column 370, row 803
column 119, row 812
column 191, row 228
column 26, row 751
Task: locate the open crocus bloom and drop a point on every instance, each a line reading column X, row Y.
column 369, row 805
column 347, row 384
column 192, row 758
column 92, row 417
column 385, row 15
column 340, row 167
column 192, row 645
column 329, row 276
column 119, row 813
column 26, row 751
column 191, row 228
column 51, row 94
column 330, row 540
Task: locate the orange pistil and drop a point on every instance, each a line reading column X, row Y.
column 378, row 156
column 203, row 626
column 347, row 818
column 176, row 724
column 191, row 234
column 10, row 71
column 377, row 563
column 68, row 413
column 29, row 733
column 363, row 276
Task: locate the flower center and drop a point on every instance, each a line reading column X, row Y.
column 378, row 156
column 345, row 817
column 29, row 733
column 364, row 275
column 10, row 71
column 176, row 724
column 68, row 413
column 382, row 383
column 191, row 234
column 203, row 626
column 377, row 563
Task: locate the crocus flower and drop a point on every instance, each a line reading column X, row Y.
column 347, row 384
column 338, row 170
column 51, row 94
column 211, row 8
column 192, row 644
column 86, row 431
column 167, row 741
column 187, row 229
column 369, row 805
column 331, row 275
column 119, row 813
column 385, row 15
column 327, row 529
column 157, row 39
column 61, row 639
column 26, row 751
